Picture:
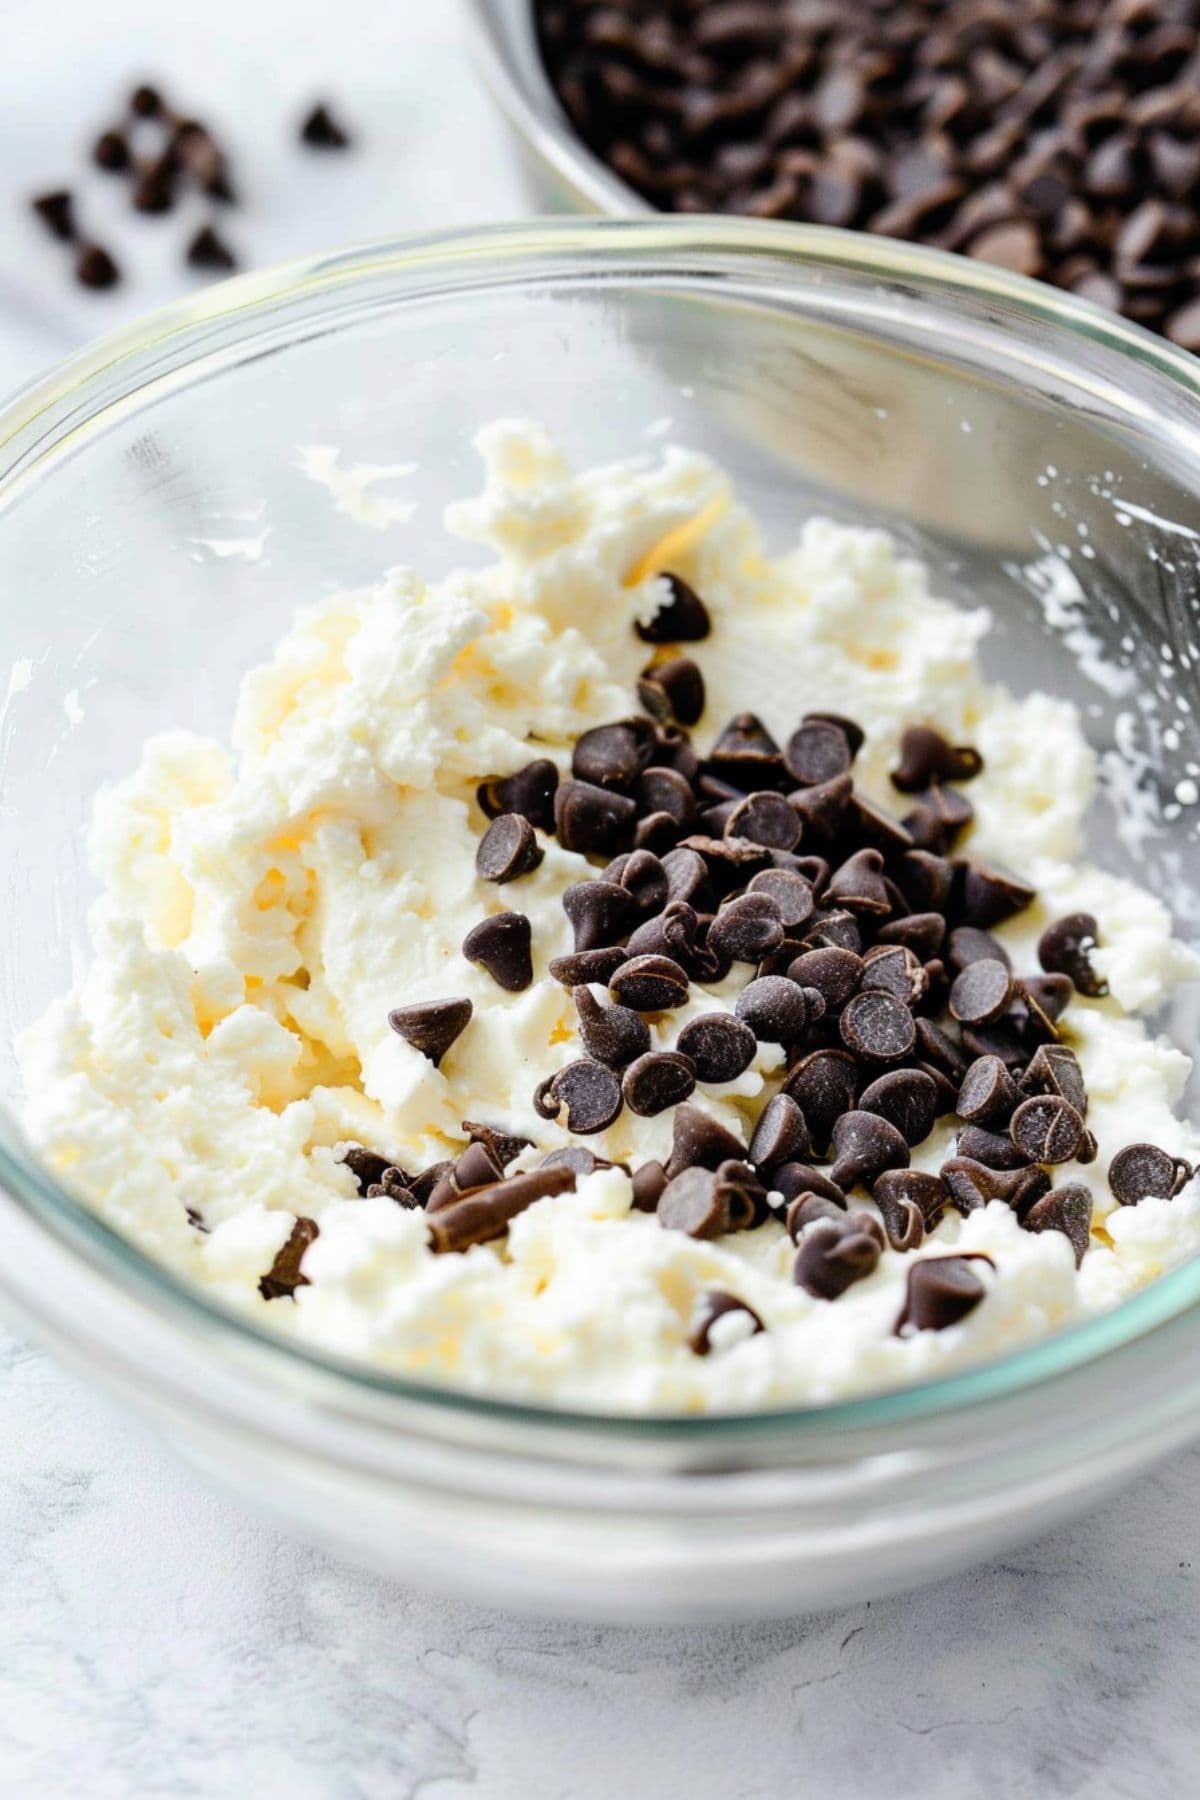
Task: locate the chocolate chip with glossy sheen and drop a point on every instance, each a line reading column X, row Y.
column 864, row 1145
column 719, row 1046
column 682, row 619
column 877, row 1027
column 1065, row 948
column 823, row 1084
column 660, row 1079
column 614, row 1035
column 673, row 690
column 588, row 817
column 907, row 1099
column 988, row 1095
column 1047, row 1128
column 1144, row 1172
column 503, row 945
column 1066, row 1209
column 941, row 1291
column 530, row 792
column 431, row 1026
column 835, row 1253
column 710, row 1309
column 695, row 1203
column 981, row 992
column 780, row 1136
column 818, row 751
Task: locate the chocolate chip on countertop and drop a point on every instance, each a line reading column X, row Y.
column 907, row 1099
column 695, row 1203
column 57, row 212
column 1143, row 1172
column 1065, row 1209
column 673, row 690
column 649, row 984
column 587, row 817
column 1047, row 1128
column 823, row 1084
column 503, row 946
column 877, row 1027
column 817, row 752
column 590, row 1092
column 648, row 1183
column 710, row 1309
column 657, row 1080
column 321, row 131
column 941, row 1291
column 780, row 1135
column 719, row 1046
column 926, row 756
column 835, row 1253
column 486, row 1214
column 981, row 992
column 507, row 849
column 988, row 1095
column 431, row 1026
column 1065, row 948
column 530, row 792
column 614, row 1035
column 95, row 268
column 588, row 965
column 284, row 1277
column 683, row 619
column 864, row 1145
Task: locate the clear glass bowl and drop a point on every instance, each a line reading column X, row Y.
column 986, row 420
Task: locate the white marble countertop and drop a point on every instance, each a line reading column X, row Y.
column 157, row 1640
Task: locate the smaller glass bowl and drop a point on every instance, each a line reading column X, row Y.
column 990, row 422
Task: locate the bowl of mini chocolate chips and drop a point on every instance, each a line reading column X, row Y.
column 1060, row 142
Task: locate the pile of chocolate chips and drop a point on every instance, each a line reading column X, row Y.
column 864, row 948
column 1058, row 138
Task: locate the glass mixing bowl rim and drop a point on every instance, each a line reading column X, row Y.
column 246, row 300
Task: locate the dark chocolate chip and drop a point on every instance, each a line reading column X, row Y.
column 695, row 1203
column 111, row 152
column 648, row 1184
column 920, row 932
column 1046, row 995
column 925, row 880
column 791, row 892
column 657, row 1080
column 503, row 946
column 936, row 1045
column 588, row 965
column 656, row 831
column 912, row 1187
column 504, row 1145
column 833, row 972
column 764, row 818
column 967, row 944
column 649, row 984
column 877, row 1027
column 508, row 849
column 1003, row 1038
column 902, row 1217
column 1065, row 1209
column 822, row 809
column 284, row 1277
column 793, row 1180
column 1054, row 1069
column 644, row 880
column 431, row 1026
column 972, row 1184
column 321, row 131
column 667, row 791
column 996, row 1149
column 486, row 1214
column 145, row 102
column 859, row 885
column 673, row 690
column 743, row 1194
column 941, row 1291
column 529, row 792
column 587, row 817
column 806, row 1208
column 154, row 189
column 207, row 250
column 988, row 1095
column 1047, row 1128
column 57, row 212
column 780, row 1136
column 775, row 1008
column 699, row 1139
column 823, row 1084
column 367, row 1166
column 1143, row 1171
column 611, row 756
column 95, row 268
column 713, row 1306
column 818, row 752
column 987, row 895
column 864, row 1145
column 746, row 929
column 926, row 756
column 1065, row 948
column 907, row 1099
column 614, row 1035
column 477, row 1167
column 833, row 928
column 682, row 619
column 579, row 1158
column 835, row 1253
column 719, row 1046
column 981, row 992
column 600, row 912
column 892, row 969
column 589, row 1091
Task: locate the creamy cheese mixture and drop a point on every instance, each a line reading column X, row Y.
column 265, row 906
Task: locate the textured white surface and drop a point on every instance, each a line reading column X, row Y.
column 158, row 1642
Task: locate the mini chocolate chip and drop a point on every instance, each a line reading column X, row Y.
column 1143, row 1171
column 822, row 809
column 648, row 1184
column 746, row 929
column 681, row 619
column 698, row 1138
column 925, row 880
column 981, row 992
column 907, row 1099
column 695, row 1203
column 208, row 250
column 823, row 1085
column 972, row 1184
column 1065, row 1209
column 835, row 1253
column 875, row 827
column 590, row 1092
column 649, row 984
column 95, row 268
column 673, row 690
column 284, row 1277
column 988, row 1095
column 892, row 969
column 57, row 213
column 863, row 1146
column 507, row 849
column 832, row 928
column 859, row 884
column 1047, row 1128
column 529, row 792
column 818, row 752
column 834, row 973
column 912, row 1187
column 111, row 152
column 367, row 1166
column 611, row 756
column 709, row 1310
column 659, row 1079
column 987, row 896
column 764, row 818
column 967, row 944
column 588, row 965
column 936, row 1045
column 926, row 756
column 600, row 912
column 431, row 1026
column 644, row 880
column 667, row 791
column 920, row 932
column 1054, row 1069
column 154, row 190
column 1003, row 1038
column 1049, row 995
column 503, row 946
column 1065, row 948
column 997, row 1149
column 941, row 1291
column 321, row 131
column 774, row 1008
column 791, row 892
column 780, row 1136
column 614, row 1035
column 877, row 1027
column 720, row 1047
column 479, row 1217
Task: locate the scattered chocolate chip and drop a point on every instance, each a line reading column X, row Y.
column 972, row 1184
column 648, row 1183
column 600, row 912
column 1143, row 1171
column 835, row 1253
column 587, row 966
column 818, row 752
column 920, row 932
column 791, row 892
column 431, row 1026
column 764, row 818
column 321, row 131
column 207, row 250
column 1048, row 995
column 833, row 972
column 57, row 213
column 530, row 792
column 710, row 1310
column 775, row 1009
column 695, row 1203
column 780, row 1136
column 95, row 268
column 1065, row 1209
column 1047, row 1128
column 699, row 1139
column 673, row 690
column 683, row 619
column 587, row 817
column 907, row 1099
column 611, row 756
column 145, row 102
column 479, row 1217
column 821, row 809
column 659, row 1079
column 746, row 929
column 987, row 896
column 590, row 1092
column 967, row 944
column 503, row 946
column 508, row 849
column 1065, row 948
column 941, row 1291
column 981, row 992
column 926, row 756
column 824, row 1085
column 988, row 1095
column 864, row 1145
column 614, row 1035
column 649, row 984
column 877, row 1027
column 111, row 152
column 154, row 189
column 719, row 1046
column 284, row 1277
